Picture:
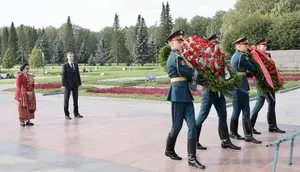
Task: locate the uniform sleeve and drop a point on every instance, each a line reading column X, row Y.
column 183, row 69
column 247, row 64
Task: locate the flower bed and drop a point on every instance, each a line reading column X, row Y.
column 133, row 90
column 47, row 85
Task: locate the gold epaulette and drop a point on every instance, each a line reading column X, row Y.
column 185, row 60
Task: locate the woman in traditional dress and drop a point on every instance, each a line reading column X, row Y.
column 25, row 96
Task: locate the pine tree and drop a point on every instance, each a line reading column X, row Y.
column 102, row 52
column 114, row 49
column 4, row 41
column 31, row 38
column 141, row 44
column 137, row 26
column 58, row 51
column 153, row 49
column 43, row 45
column 118, row 50
column 166, row 25
column 83, row 54
column 22, row 54
column 92, row 61
column 69, row 40
column 13, row 42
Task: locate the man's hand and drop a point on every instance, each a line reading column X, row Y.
column 63, row 89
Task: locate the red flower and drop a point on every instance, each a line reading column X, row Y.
column 207, row 61
column 216, row 74
column 200, row 64
column 219, row 70
column 212, row 66
column 205, row 85
column 204, row 71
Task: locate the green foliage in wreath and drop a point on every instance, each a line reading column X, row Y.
column 164, row 53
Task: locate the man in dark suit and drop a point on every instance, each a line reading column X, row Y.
column 70, row 82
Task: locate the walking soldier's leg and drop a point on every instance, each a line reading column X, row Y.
column 236, row 105
column 220, row 105
column 272, row 114
column 177, row 120
column 258, row 105
column 191, row 145
column 207, row 99
column 246, row 120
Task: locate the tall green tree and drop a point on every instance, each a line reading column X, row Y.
column 286, row 6
column 43, row 45
column 215, row 24
column 69, row 40
column 166, row 24
column 118, row 51
column 153, row 49
column 83, row 54
column 13, row 41
column 57, row 51
column 4, row 41
column 9, row 59
column 22, row 54
column 35, row 59
column 92, row 60
column 141, row 44
column 102, row 52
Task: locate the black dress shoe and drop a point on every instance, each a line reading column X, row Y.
column 275, row 130
column 78, row 116
column 194, row 162
column 228, row 144
column 252, row 139
column 255, row 131
column 236, row 136
column 68, row 117
column 23, row 124
column 199, row 146
column 29, row 123
column 172, row 155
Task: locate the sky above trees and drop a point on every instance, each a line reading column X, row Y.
column 96, row 14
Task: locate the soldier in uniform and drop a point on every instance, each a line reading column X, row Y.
column 271, row 116
column 241, row 64
column 208, row 99
column 181, row 73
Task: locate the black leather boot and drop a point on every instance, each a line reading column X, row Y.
column 224, row 136
column 233, row 130
column 170, row 152
column 273, row 123
column 198, row 145
column 192, row 154
column 253, row 121
column 248, row 132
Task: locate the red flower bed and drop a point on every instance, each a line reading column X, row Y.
column 47, row 85
column 132, row 90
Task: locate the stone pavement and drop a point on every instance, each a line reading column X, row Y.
column 129, row 135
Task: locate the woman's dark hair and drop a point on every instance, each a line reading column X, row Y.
column 23, row 66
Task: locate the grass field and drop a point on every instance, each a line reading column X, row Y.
column 94, row 78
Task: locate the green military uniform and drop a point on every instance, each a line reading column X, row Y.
column 241, row 64
column 271, row 116
column 181, row 73
column 209, row 98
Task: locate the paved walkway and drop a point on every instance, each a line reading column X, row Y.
column 129, row 135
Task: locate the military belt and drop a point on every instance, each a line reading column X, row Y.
column 177, row 79
column 242, row 73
